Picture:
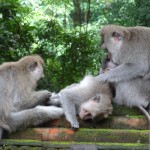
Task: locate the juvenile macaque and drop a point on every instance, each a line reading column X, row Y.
column 129, row 47
column 100, row 103
column 88, row 98
column 134, row 92
column 18, row 98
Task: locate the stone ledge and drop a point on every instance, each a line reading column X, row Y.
column 40, row 145
column 83, row 135
column 113, row 122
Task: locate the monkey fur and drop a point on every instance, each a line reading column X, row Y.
column 129, row 47
column 89, row 98
column 18, row 98
column 132, row 93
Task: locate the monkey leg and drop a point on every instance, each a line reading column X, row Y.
column 145, row 112
column 33, row 117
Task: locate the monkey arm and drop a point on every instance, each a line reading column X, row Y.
column 69, row 109
column 123, row 72
column 33, row 117
column 70, row 113
column 36, row 98
column 40, row 96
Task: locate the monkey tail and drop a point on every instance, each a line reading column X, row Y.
column 145, row 112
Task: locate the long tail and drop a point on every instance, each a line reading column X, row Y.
column 145, row 112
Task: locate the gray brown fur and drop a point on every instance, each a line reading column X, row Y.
column 129, row 48
column 131, row 52
column 18, row 82
column 132, row 93
column 72, row 97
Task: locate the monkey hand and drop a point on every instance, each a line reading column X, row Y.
column 54, row 100
column 45, row 95
column 101, row 77
column 75, row 125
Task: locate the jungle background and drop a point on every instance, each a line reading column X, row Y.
column 64, row 32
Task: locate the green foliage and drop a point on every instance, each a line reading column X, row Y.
column 64, row 33
column 69, row 55
column 15, row 37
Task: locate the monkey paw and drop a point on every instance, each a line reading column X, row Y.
column 75, row 126
column 46, row 94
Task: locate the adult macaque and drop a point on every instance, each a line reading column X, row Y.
column 18, row 97
column 129, row 47
column 88, row 98
column 132, row 93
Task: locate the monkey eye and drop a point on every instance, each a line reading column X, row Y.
column 97, row 98
column 85, row 111
column 33, row 66
column 116, row 35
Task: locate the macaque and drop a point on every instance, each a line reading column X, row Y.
column 88, row 98
column 132, row 93
column 18, row 99
column 100, row 103
column 129, row 48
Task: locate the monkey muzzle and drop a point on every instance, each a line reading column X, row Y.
column 85, row 115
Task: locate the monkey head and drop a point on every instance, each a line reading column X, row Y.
column 113, row 38
column 98, row 106
column 34, row 65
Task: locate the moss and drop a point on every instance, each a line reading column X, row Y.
column 122, row 110
column 50, row 144
column 21, row 142
column 112, row 130
column 25, row 134
column 140, row 116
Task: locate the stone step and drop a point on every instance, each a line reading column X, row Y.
column 83, row 135
column 48, row 145
column 113, row 122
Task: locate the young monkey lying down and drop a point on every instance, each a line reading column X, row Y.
column 88, row 98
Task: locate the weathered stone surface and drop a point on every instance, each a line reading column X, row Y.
column 66, row 145
column 114, row 132
column 85, row 135
column 113, row 122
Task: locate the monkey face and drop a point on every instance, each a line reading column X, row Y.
column 36, row 70
column 96, row 107
column 112, row 39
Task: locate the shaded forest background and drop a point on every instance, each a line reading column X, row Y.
column 65, row 33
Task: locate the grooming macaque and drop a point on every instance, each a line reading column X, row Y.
column 129, row 48
column 18, row 98
column 88, row 98
column 134, row 92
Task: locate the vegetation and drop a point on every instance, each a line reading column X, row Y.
column 65, row 33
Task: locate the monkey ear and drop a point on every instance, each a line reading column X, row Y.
column 116, row 36
column 33, row 66
column 97, row 98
